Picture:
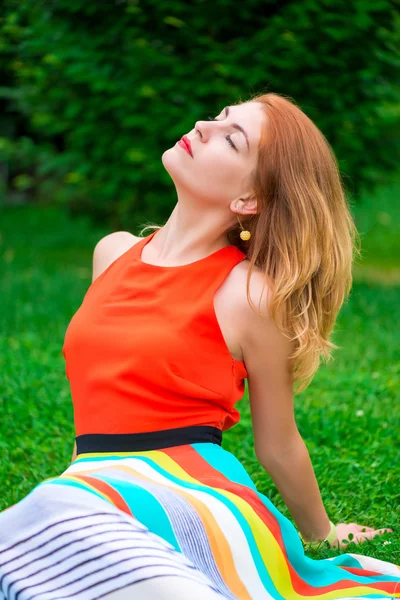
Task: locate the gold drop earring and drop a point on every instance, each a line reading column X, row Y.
column 244, row 234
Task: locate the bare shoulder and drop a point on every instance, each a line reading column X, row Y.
column 234, row 312
column 260, row 287
column 109, row 248
column 262, row 341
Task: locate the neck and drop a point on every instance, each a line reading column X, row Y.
column 188, row 238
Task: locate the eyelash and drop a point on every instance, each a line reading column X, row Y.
column 227, row 137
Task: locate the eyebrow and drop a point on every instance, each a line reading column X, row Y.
column 238, row 127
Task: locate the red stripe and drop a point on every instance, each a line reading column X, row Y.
column 362, row 572
column 105, row 488
column 197, row 467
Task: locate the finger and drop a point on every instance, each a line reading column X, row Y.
column 382, row 531
column 368, row 535
column 364, row 528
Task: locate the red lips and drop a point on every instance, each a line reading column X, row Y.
column 187, row 144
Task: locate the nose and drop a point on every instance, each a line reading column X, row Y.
column 203, row 128
column 198, row 128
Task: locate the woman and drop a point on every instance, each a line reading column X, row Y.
column 156, row 357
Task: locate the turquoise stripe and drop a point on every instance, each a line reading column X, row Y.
column 312, row 571
column 144, row 506
column 316, row 573
column 347, row 561
column 106, row 456
column 225, row 462
column 60, row 481
column 256, row 557
column 307, row 569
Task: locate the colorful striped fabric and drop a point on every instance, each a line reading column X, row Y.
column 192, row 511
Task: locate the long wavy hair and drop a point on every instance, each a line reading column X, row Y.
column 303, row 237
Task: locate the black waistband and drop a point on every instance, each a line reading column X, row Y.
column 150, row 440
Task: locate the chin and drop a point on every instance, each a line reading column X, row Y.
column 173, row 162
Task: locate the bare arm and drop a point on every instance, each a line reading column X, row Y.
column 278, row 444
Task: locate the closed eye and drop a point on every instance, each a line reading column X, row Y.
column 227, row 137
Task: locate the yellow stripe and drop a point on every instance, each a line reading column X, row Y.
column 84, row 483
column 219, row 545
column 267, row 544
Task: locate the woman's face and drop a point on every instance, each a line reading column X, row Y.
column 218, row 173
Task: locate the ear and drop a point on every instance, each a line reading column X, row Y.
column 246, row 204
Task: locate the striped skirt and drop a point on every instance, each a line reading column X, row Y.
column 184, row 521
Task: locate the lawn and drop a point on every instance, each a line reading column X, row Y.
column 349, row 416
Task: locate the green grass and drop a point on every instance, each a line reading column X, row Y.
column 378, row 220
column 349, row 416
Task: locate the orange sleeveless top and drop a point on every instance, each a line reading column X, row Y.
column 144, row 351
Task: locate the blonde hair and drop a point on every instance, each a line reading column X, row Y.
column 303, row 237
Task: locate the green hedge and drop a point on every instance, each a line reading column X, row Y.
column 95, row 92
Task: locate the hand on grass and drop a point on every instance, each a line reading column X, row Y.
column 360, row 533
